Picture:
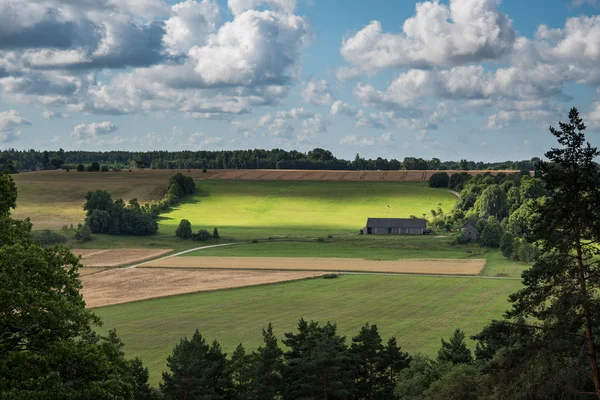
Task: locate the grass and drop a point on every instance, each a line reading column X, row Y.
column 365, row 247
column 262, row 209
column 500, row 266
column 417, row 310
column 55, row 198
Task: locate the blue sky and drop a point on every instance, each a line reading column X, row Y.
column 476, row 79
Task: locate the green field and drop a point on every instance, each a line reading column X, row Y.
column 418, row 310
column 262, row 209
column 358, row 246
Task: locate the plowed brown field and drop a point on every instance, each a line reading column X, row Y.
column 434, row 267
column 119, row 286
column 117, row 257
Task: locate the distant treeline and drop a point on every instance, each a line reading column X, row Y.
column 15, row 160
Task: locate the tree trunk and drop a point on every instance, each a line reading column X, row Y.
column 591, row 344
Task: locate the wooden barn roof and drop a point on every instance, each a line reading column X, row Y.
column 407, row 223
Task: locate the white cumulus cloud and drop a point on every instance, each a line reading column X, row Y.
column 86, row 132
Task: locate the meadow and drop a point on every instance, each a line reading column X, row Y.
column 417, row 310
column 263, row 209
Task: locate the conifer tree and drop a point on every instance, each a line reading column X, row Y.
column 455, row 350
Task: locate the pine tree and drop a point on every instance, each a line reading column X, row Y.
column 393, row 360
column 562, row 289
column 318, row 364
column 267, row 365
column 196, row 370
column 241, row 373
column 367, row 350
column 456, row 350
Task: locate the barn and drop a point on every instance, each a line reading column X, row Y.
column 395, row 226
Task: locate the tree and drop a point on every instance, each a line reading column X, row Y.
column 94, row 167
column 215, row 234
column 45, row 159
column 202, row 236
column 393, row 361
column 491, row 236
column 48, row 348
column 83, row 233
column 461, row 382
column 367, row 351
column 492, row 202
column 196, row 370
column 561, row 295
column 439, row 180
column 56, row 162
column 506, row 244
column 80, row 168
column 318, row 364
column 184, row 230
column 456, row 350
column 267, row 366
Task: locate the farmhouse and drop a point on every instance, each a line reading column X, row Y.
column 395, row 226
column 469, row 231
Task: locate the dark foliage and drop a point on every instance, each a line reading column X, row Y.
column 184, row 230
column 106, row 216
column 47, row 237
column 439, row 180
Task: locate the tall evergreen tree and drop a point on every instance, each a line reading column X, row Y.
column 267, row 365
column 562, row 289
column 455, row 350
column 241, row 373
column 318, row 364
column 196, row 371
column 367, row 350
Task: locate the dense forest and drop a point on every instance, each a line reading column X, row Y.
column 15, row 160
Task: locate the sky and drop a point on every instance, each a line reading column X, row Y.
column 475, row 79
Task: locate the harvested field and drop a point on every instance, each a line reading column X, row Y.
column 120, row 286
column 318, row 175
column 117, row 257
column 89, row 271
column 433, row 267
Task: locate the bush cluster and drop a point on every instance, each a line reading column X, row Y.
column 115, row 217
column 184, row 231
column 47, row 237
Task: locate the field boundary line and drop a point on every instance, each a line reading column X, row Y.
column 185, row 252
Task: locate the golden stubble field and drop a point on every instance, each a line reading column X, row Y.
column 432, row 267
column 118, row 286
column 116, row 257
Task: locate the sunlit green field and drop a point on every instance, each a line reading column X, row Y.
column 417, row 310
column 262, row 209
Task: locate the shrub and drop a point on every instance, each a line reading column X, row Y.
column 320, row 239
column 94, row 167
column 80, row 168
column 184, row 230
column 329, row 236
column 202, row 236
column 83, row 233
column 104, row 168
column 47, row 237
column 254, row 241
column 439, row 180
column 203, row 169
column 331, row 276
column 215, row 233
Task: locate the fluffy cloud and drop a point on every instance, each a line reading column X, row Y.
column 295, row 113
column 189, row 24
column 237, row 7
column 201, row 141
column 87, row 132
column 317, row 92
column 10, row 121
column 438, row 35
column 353, row 140
column 191, row 64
